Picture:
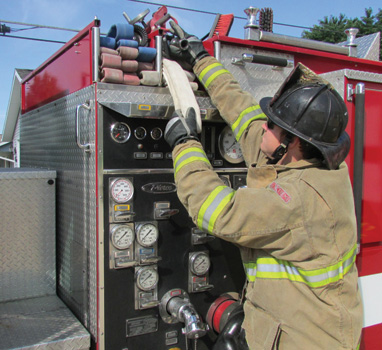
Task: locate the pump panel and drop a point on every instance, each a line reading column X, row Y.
column 152, row 248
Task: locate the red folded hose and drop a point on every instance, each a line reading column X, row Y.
column 129, row 66
column 131, row 79
column 128, row 53
column 110, row 75
column 111, row 61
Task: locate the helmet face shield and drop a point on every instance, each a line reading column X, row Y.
column 308, row 106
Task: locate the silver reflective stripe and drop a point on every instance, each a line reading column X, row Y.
column 188, row 155
column 272, row 268
column 277, row 268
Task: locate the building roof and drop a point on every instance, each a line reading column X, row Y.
column 14, row 105
column 5, row 147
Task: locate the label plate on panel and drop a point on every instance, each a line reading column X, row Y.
column 141, row 325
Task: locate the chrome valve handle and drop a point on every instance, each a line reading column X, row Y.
column 176, row 307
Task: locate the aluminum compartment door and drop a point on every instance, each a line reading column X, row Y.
column 48, row 141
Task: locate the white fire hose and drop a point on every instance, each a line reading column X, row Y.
column 181, row 90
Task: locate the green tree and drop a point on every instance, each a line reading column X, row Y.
column 332, row 29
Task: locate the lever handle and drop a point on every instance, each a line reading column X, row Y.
column 167, row 212
column 260, row 59
column 163, row 211
column 269, row 60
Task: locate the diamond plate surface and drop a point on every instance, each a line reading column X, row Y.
column 48, row 141
column 337, row 78
column 40, row 323
column 258, row 79
column 110, row 93
column 364, row 76
column 368, row 46
column 27, row 231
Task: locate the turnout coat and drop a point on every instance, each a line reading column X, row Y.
column 295, row 226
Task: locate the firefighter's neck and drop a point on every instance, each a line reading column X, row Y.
column 293, row 154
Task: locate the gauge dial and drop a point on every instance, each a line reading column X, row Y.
column 156, row 133
column 229, row 148
column 122, row 236
column 122, row 190
column 120, row 132
column 200, row 263
column 140, row 133
column 147, row 278
column 147, row 234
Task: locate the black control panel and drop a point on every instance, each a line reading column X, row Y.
column 139, row 143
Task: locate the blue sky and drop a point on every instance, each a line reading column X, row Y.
column 77, row 14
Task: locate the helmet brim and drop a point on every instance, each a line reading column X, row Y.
column 334, row 153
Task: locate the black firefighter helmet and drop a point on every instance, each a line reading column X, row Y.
column 309, row 107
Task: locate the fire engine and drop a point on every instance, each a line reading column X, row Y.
column 97, row 251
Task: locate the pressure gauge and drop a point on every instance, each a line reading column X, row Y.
column 120, row 132
column 156, row 133
column 122, row 190
column 147, row 234
column 229, row 148
column 147, row 278
column 199, row 263
column 122, row 236
column 140, row 133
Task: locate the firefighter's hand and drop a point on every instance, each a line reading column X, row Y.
column 181, row 129
column 186, row 47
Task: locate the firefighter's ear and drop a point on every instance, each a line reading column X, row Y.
column 295, row 143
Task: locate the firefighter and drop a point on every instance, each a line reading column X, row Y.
column 294, row 221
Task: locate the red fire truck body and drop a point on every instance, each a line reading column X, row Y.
column 112, row 299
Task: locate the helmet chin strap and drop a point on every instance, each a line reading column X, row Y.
column 281, row 150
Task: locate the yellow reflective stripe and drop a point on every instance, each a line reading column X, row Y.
column 213, row 206
column 189, row 155
column 208, row 68
column 214, row 76
column 247, row 116
column 272, row 268
column 211, row 72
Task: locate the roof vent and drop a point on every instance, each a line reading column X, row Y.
column 351, row 34
column 251, row 29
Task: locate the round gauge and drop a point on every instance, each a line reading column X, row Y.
column 122, row 190
column 147, row 234
column 122, row 236
column 200, row 263
column 140, row 133
column 120, row 132
column 229, row 148
column 147, row 278
column 156, row 133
